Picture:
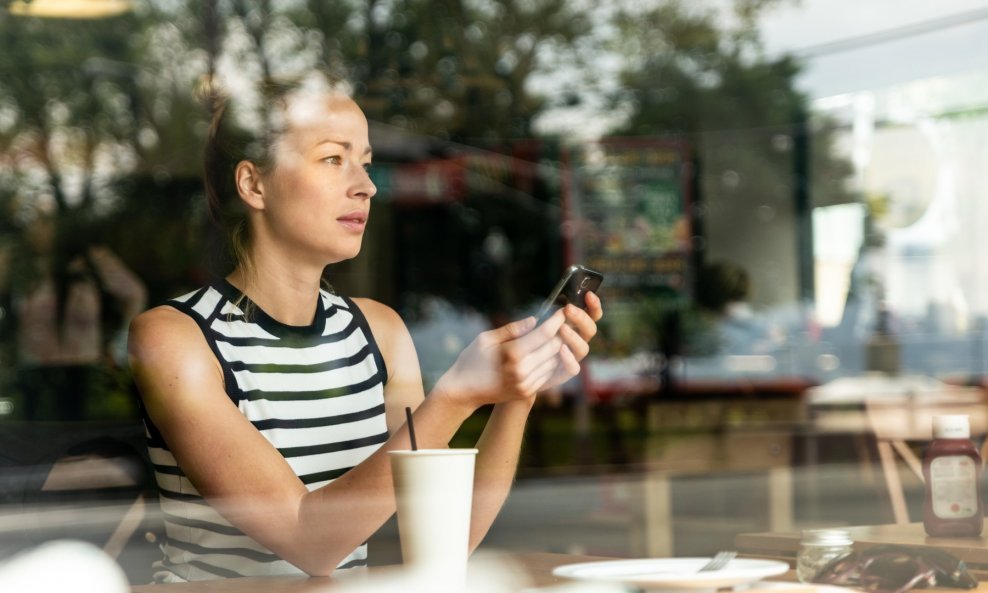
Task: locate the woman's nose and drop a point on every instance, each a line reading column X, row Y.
column 364, row 187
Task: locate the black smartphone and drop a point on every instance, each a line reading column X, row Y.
column 572, row 288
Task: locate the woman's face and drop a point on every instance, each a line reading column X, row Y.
column 317, row 191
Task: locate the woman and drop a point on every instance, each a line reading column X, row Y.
column 275, row 400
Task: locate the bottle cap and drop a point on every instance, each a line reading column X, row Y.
column 826, row 537
column 951, row 426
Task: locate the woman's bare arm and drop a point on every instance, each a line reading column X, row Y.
column 239, row 472
column 247, row 480
column 501, row 442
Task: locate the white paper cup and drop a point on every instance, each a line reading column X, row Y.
column 434, row 493
column 63, row 565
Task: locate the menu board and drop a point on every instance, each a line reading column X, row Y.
column 627, row 216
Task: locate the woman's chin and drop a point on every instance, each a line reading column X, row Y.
column 339, row 254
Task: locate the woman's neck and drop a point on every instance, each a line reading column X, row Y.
column 286, row 295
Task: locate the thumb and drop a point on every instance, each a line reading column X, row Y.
column 515, row 329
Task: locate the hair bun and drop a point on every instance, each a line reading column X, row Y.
column 210, row 92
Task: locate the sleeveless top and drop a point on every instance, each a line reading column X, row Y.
column 316, row 393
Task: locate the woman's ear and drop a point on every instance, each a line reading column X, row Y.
column 249, row 184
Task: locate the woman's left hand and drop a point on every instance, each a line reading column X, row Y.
column 516, row 361
column 576, row 333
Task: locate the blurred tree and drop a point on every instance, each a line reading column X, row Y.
column 698, row 74
column 92, row 112
column 67, row 118
column 448, row 68
column 68, row 105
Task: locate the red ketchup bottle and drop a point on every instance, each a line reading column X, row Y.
column 952, row 470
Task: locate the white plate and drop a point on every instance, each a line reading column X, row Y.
column 672, row 573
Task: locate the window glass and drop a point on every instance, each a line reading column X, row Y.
column 785, row 200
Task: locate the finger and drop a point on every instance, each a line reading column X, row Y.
column 553, row 322
column 567, row 369
column 577, row 345
column 517, row 329
column 545, row 332
column 541, row 376
column 510, row 331
column 594, row 307
column 525, row 362
column 569, row 361
column 581, row 321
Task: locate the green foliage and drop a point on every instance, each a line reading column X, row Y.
column 696, row 77
column 447, row 68
column 710, row 84
column 63, row 100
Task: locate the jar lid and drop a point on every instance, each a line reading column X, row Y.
column 951, row 426
column 827, row 537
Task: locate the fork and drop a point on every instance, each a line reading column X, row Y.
column 719, row 561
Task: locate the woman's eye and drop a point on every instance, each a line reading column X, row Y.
column 334, row 160
column 367, row 167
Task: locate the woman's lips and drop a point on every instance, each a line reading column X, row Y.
column 355, row 221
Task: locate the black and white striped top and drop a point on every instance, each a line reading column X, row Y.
column 316, row 393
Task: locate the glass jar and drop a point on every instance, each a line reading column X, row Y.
column 817, row 548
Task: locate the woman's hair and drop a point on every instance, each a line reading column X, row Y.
column 247, row 127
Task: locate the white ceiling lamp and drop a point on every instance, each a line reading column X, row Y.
column 70, row 9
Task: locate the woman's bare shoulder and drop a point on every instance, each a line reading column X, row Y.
column 404, row 384
column 173, row 366
column 390, row 331
column 165, row 336
column 162, row 322
column 377, row 313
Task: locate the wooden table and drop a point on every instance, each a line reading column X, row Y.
column 783, row 545
column 538, row 566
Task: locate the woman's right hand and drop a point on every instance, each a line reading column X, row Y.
column 509, row 363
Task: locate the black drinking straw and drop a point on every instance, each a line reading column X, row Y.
column 411, row 428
